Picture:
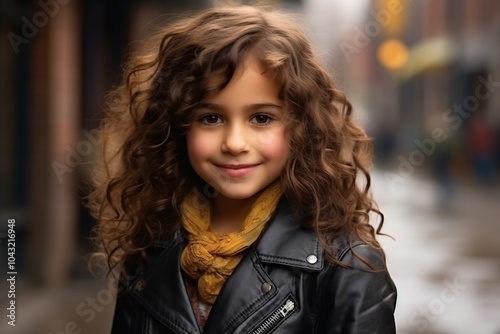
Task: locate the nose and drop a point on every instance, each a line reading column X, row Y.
column 235, row 140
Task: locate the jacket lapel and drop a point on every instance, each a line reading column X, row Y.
column 251, row 291
column 162, row 291
column 246, row 294
column 286, row 242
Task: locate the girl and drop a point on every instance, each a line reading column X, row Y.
column 229, row 197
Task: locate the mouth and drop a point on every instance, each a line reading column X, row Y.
column 237, row 170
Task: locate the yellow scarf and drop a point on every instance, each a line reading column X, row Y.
column 211, row 258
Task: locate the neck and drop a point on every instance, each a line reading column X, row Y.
column 229, row 214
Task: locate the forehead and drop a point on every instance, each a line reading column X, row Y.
column 249, row 83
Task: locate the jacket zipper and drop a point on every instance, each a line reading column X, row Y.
column 276, row 318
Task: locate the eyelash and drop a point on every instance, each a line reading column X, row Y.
column 203, row 119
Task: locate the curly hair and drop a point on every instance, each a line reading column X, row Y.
column 144, row 172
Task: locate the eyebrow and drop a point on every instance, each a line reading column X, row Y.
column 253, row 106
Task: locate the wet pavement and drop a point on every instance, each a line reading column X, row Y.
column 80, row 307
column 445, row 263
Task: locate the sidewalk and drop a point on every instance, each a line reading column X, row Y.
column 446, row 266
column 79, row 307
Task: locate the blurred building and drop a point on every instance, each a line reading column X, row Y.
column 441, row 59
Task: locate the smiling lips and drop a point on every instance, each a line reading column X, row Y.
column 236, row 170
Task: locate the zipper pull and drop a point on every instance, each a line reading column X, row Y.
column 275, row 319
column 289, row 306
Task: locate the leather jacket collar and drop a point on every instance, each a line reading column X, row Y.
column 284, row 242
column 283, row 284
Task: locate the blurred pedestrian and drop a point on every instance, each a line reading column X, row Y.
column 443, row 174
column 482, row 147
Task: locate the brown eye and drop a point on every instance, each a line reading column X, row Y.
column 262, row 119
column 210, row 119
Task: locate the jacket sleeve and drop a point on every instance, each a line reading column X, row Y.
column 124, row 309
column 357, row 299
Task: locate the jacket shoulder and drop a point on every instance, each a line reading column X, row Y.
column 358, row 296
column 353, row 252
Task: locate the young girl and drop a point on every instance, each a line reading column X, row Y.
column 230, row 196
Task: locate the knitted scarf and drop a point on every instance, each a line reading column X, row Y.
column 210, row 257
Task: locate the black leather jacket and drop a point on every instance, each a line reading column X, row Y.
column 282, row 285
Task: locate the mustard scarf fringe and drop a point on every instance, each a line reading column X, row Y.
column 211, row 258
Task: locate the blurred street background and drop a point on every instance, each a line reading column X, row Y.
column 424, row 79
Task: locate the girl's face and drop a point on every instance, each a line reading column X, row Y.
column 236, row 142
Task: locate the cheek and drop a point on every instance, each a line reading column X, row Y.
column 275, row 148
column 197, row 148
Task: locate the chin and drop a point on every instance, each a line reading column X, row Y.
column 237, row 194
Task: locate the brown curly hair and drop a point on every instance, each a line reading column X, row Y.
column 145, row 173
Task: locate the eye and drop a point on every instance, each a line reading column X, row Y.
column 210, row 119
column 262, row 119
